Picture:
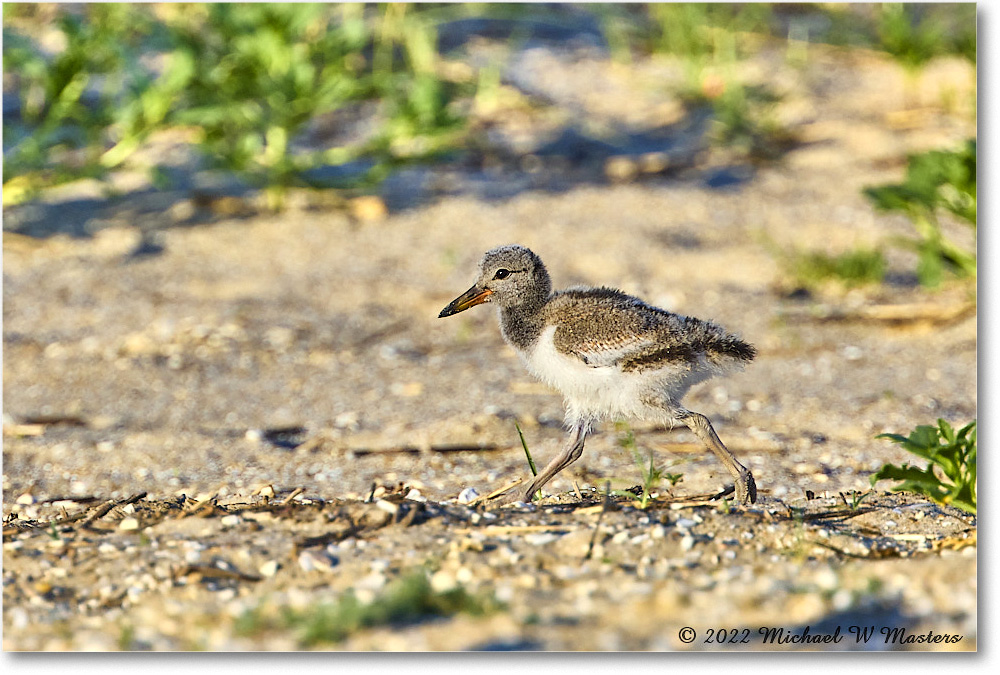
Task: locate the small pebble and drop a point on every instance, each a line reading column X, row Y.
column 128, row 524
column 368, row 208
column 467, row 495
column 443, row 581
column 346, row 419
column 540, row 538
column 373, row 582
column 687, row 543
column 852, row 352
column 307, row 561
column 388, row 507
column 325, row 563
column 269, row 569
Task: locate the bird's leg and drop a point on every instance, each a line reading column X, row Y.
column 746, row 488
column 570, row 453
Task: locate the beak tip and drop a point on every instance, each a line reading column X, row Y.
column 472, row 297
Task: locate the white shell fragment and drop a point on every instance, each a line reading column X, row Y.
column 467, row 495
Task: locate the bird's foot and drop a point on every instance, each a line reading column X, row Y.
column 510, row 497
column 746, row 488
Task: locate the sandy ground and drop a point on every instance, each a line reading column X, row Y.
column 300, row 355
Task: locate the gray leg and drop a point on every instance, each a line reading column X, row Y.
column 746, row 488
column 569, row 454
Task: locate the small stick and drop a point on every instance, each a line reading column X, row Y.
column 500, row 530
column 597, row 525
column 295, row 493
column 496, row 493
column 108, row 505
column 198, row 507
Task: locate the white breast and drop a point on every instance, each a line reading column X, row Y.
column 594, row 393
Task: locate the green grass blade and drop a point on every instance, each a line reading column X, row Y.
column 527, row 453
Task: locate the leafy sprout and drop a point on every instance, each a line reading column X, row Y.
column 950, row 475
column 936, row 182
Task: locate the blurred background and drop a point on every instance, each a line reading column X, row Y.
column 228, row 230
column 149, row 104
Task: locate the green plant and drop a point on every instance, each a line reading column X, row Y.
column 527, row 453
column 912, row 34
column 700, row 30
column 421, row 120
column 852, row 268
column 407, row 600
column 856, row 498
column 248, row 81
column 911, row 42
column 744, row 121
column 69, row 100
column 710, row 39
column 950, row 475
column 254, row 75
column 619, row 30
column 651, row 474
column 936, row 181
column 126, row 637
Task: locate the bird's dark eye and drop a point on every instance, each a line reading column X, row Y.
column 501, row 274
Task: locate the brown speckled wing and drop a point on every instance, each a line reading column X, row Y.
column 604, row 327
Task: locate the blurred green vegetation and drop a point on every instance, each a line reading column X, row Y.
column 247, row 80
column 706, row 30
column 936, row 182
column 858, row 267
column 914, row 38
column 255, row 85
column 407, row 600
column 70, row 100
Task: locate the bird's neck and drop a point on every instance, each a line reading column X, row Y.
column 522, row 324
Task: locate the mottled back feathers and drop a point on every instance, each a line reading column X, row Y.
column 605, row 327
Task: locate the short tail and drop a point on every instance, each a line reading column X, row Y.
column 732, row 347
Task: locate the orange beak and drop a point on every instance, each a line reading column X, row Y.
column 472, row 297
